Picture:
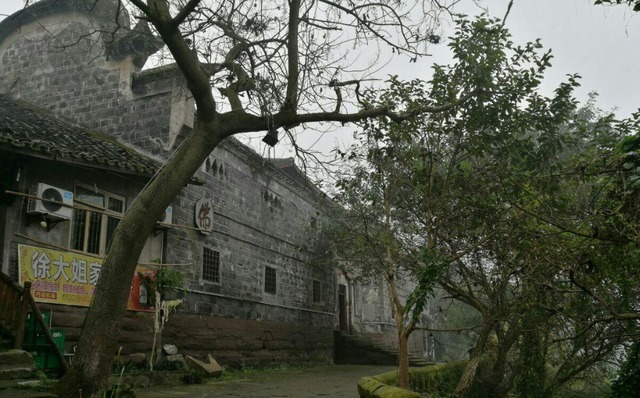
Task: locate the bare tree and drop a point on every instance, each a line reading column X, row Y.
column 250, row 65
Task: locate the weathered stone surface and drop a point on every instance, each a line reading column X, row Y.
column 10, row 372
column 15, row 364
column 212, row 368
column 170, row 349
column 138, row 359
column 266, row 214
column 146, row 379
column 255, row 343
column 136, row 336
column 177, row 360
column 15, row 357
column 370, row 387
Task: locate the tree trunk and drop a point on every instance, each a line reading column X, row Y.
column 469, row 374
column 403, row 360
column 99, row 339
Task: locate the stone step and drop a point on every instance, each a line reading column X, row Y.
column 16, row 364
column 16, row 389
column 15, row 357
column 383, row 346
column 13, row 372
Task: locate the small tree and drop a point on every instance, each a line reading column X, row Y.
column 486, row 189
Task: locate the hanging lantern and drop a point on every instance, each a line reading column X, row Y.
column 271, row 138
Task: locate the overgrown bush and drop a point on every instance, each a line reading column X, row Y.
column 627, row 385
column 434, row 381
column 440, row 381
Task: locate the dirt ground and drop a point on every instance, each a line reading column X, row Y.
column 329, row 381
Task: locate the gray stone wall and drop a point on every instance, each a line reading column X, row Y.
column 64, row 69
column 262, row 218
column 236, row 342
column 136, row 335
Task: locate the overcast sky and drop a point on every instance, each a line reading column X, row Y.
column 602, row 44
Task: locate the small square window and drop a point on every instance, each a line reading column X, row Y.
column 210, row 265
column 269, row 280
column 317, row 291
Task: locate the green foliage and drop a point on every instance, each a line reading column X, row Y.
column 194, row 377
column 627, row 384
column 518, row 204
column 634, row 3
column 123, row 367
column 169, row 280
column 438, row 381
column 430, row 271
column 165, row 281
column 170, row 366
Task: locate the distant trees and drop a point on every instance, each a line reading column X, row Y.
column 502, row 201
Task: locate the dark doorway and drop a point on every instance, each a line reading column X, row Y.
column 342, row 304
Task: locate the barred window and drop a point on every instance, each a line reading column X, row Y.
column 269, row 280
column 92, row 231
column 317, row 291
column 210, row 265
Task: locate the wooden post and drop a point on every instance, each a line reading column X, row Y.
column 22, row 315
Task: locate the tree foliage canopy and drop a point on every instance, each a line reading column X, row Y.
column 519, row 195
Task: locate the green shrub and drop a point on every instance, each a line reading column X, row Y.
column 194, row 377
column 627, row 384
column 434, row 381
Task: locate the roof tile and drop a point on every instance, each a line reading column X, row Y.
column 24, row 126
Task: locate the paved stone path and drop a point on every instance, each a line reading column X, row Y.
column 330, row 381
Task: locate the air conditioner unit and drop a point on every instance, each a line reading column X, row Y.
column 49, row 192
column 167, row 218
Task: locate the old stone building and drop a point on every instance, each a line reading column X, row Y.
column 79, row 115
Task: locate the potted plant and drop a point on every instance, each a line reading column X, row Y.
column 169, row 283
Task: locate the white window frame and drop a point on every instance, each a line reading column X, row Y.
column 104, row 213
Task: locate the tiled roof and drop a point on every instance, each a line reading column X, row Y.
column 25, row 128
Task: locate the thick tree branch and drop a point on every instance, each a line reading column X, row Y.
column 197, row 79
column 185, row 12
column 291, row 99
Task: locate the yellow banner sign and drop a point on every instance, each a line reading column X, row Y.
column 69, row 278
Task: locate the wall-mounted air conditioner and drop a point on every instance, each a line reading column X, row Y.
column 167, row 218
column 49, row 193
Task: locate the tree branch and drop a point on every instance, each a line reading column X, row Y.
column 291, row 99
column 197, row 79
column 184, row 13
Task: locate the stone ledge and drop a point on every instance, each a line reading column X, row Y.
column 370, row 387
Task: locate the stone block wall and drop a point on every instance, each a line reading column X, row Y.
column 238, row 342
column 136, row 335
column 262, row 217
column 64, row 69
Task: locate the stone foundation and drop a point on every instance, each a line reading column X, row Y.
column 136, row 335
column 237, row 342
